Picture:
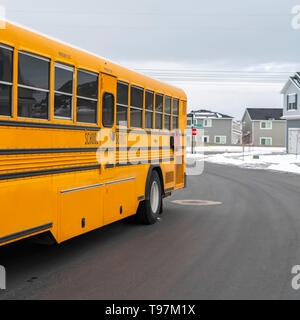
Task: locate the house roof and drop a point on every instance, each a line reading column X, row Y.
column 265, row 113
column 202, row 113
column 295, row 79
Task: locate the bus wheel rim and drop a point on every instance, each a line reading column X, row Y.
column 154, row 197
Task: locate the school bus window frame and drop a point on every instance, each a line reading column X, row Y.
column 41, row 57
column 12, row 49
column 86, row 98
column 69, row 68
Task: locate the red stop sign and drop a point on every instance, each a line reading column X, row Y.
column 194, row 132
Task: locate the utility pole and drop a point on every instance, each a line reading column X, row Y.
column 297, row 145
column 243, row 139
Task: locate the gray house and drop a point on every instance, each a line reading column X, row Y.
column 236, row 132
column 264, row 126
column 291, row 113
column 218, row 127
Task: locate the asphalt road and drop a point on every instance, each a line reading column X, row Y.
column 242, row 249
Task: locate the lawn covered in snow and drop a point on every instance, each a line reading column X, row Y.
column 253, row 158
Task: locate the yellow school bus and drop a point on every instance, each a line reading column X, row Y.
column 84, row 141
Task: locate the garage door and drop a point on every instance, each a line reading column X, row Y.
column 294, row 141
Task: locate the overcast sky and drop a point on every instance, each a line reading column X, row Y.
column 226, row 55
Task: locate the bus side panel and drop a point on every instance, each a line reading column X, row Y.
column 120, row 201
column 24, row 205
column 80, row 212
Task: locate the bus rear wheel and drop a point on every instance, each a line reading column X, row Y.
column 149, row 209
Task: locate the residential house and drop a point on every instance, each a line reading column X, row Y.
column 218, row 128
column 291, row 113
column 236, row 132
column 264, row 126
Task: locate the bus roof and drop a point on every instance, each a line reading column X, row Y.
column 24, row 38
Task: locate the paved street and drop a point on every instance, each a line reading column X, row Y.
column 242, row 249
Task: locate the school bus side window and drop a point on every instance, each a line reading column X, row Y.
column 122, row 102
column 175, row 113
column 87, row 97
column 108, row 106
column 6, row 71
column 33, row 86
column 63, row 91
column 167, row 113
column 136, row 107
column 149, row 109
column 159, row 111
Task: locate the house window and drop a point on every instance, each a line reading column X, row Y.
column 266, row 141
column 205, row 139
column 207, row 123
column 266, row 125
column 220, row 139
column 292, row 101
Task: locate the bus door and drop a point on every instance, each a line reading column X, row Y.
column 119, row 191
column 179, row 152
column 108, row 119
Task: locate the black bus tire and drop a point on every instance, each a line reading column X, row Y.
column 145, row 213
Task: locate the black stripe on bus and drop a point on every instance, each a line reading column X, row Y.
column 142, row 148
column 135, row 148
column 168, row 190
column 24, row 233
column 144, row 132
column 141, row 198
column 24, row 124
column 144, row 162
column 26, row 174
column 45, row 150
column 70, row 150
column 148, row 132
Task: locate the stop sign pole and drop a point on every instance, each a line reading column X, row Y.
column 194, row 132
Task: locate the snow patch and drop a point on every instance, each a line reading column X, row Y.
column 268, row 158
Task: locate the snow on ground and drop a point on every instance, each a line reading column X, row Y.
column 268, row 158
column 224, row 148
